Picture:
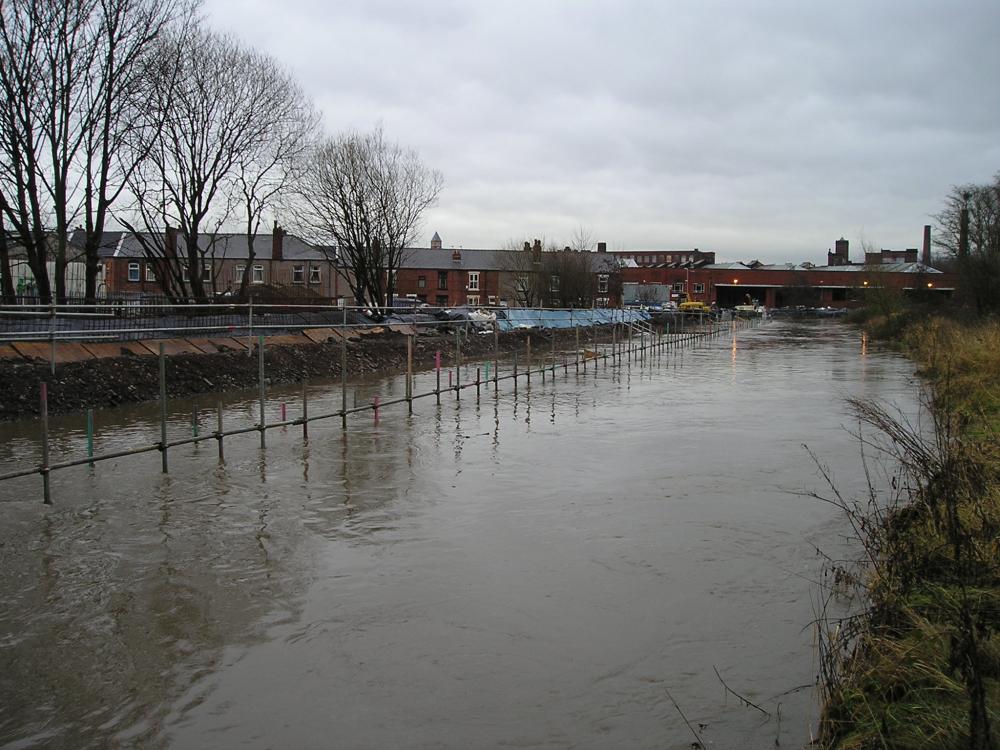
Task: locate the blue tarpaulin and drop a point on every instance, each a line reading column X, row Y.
column 520, row 317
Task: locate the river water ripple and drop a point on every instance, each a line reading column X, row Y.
column 545, row 570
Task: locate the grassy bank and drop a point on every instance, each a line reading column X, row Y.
column 920, row 666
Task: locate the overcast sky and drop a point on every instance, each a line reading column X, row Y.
column 762, row 129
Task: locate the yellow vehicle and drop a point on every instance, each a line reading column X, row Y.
column 692, row 306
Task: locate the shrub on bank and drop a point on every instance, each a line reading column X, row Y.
column 920, row 667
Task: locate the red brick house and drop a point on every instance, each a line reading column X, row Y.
column 280, row 260
column 449, row 277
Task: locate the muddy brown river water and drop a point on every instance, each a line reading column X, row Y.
column 553, row 569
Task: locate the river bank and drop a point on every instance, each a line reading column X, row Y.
column 133, row 378
column 920, row 666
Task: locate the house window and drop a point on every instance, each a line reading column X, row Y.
column 602, row 301
column 184, row 273
column 473, row 300
column 257, row 276
column 699, row 288
column 150, row 272
column 492, row 300
column 240, row 270
column 421, row 282
column 133, row 271
column 314, row 274
column 298, row 274
column 442, row 300
column 554, row 283
column 206, row 272
column 473, row 281
column 442, row 280
column 678, row 286
column 602, row 283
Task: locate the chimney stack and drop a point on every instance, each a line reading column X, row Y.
column 456, row 255
column 536, row 252
column 602, row 247
column 925, row 258
column 842, row 248
column 170, row 242
column 277, row 243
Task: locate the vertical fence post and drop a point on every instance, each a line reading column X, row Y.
column 409, row 372
column 515, row 371
column 250, row 327
column 305, row 411
column 260, row 385
column 529, row 360
column 496, row 356
column 458, row 363
column 343, row 373
column 577, row 347
column 43, row 396
column 52, row 336
column 218, row 430
column 477, row 382
column 90, row 436
column 194, row 420
column 163, row 410
column 437, row 375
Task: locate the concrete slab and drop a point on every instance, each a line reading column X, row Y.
column 111, row 350
column 351, row 334
column 171, row 347
column 370, row 331
column 134, row 348
column 65, row 352
column 407, row 329
column 205, row 346
column 321, row 335
column 9, row 352
column 228, row 344
column 291, row 339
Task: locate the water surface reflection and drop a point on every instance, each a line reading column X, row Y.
column 534, row 570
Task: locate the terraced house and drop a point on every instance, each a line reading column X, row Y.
column 450, row 277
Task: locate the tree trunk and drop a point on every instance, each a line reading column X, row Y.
column 7, row 293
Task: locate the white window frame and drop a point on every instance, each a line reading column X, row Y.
column 257, row 274
column 492, row 301
column 678, row 286
column 473, row 281
column 421, row 282
column 206, row 272
column 554, row 282
column 240, row 270
column 299, row 274
column 314, row 275
column 150, row 272
column 133, row 271
column 472, row 300
column 699, row 288
column 185, row 276
column 602, row 283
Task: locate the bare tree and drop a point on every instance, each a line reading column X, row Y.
column 266, row 172
column 521, row 278
column 968, row 229
column 583, row 240
column 368, row 196
column 221, row 150
column 71, row 77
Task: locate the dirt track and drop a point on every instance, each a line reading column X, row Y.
column 131, row 378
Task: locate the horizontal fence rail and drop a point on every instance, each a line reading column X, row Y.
column 629, row 341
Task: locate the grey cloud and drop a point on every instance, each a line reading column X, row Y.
column 758, row 128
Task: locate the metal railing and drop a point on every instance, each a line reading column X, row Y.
column 621, row 347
